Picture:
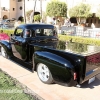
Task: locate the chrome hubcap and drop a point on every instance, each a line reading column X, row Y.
column 43, row 72
column 3, row 52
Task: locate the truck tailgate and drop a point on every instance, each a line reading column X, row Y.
column 92, row 66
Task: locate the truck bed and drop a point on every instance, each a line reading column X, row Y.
column 89, row 52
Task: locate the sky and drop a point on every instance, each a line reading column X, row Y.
column 5, row 3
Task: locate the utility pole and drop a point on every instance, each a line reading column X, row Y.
column 24, row 13
column 41, row 9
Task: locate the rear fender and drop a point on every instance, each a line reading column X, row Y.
column 7, row 47
column 53, row 58
column 60, row 68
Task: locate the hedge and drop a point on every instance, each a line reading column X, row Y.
column 94, row 41
column 8, row 31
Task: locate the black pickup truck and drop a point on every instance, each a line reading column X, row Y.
column 55, row 61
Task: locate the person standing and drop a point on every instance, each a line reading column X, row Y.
column 67, row 22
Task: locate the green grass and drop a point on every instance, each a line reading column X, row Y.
column 10, row 91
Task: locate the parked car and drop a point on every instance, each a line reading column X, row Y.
column 7, row 23
column 54, row 60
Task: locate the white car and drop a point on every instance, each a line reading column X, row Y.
column 7, row 23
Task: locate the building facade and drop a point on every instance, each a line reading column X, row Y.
column 15, row 8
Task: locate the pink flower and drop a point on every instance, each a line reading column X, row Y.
column 4, row 36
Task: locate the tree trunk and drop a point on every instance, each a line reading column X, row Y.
column 78, row 21
column 41, row 9
column 32, row 14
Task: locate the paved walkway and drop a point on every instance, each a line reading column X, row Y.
column 53, row 91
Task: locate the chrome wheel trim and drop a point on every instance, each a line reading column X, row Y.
column 43, row 72
column 3, row 52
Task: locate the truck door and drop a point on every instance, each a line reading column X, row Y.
column 18, row 45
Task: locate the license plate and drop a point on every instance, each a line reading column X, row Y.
column 91, row 80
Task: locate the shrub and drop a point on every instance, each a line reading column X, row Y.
column 37, row 17
column 21, row 19
column 80, row 39
column 9, row 32
column 68, row 38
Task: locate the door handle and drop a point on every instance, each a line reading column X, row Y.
column 12, row 42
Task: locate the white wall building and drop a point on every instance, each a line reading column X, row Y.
column 15, row 8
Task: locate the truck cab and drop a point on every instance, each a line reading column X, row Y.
column 26, row 35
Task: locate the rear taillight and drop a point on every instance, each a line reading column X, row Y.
column 75, row 75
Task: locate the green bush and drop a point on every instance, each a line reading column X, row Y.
column 8, row 31
column 37, row 17
column 65, row 38
column 93, row 41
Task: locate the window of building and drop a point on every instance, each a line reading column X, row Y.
column 13, row 9
column 3, row 8
column 95, row 20
column 20, row 8
column 91, row 21
column 99, row 21
column 19, row 0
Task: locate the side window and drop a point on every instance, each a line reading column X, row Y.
column 33, row 33
column 44, row 32
column 19, row 32
column 27, row 33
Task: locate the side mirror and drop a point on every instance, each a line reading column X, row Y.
column 10, row 34
column 54, row 33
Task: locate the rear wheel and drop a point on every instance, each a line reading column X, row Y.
column 3, row 52
column 44, row 73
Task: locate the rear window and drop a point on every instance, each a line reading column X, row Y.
column 27, row 33
column 44, row 32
